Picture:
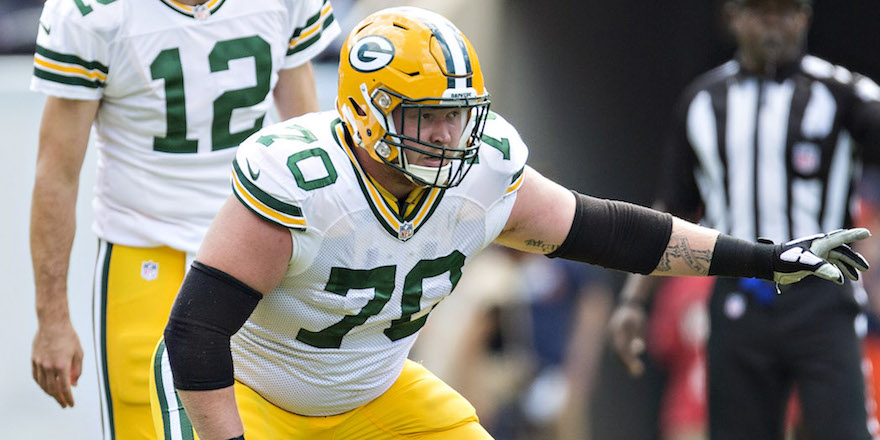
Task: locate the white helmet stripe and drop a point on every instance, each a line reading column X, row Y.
column 446, row 35
column 458, row 62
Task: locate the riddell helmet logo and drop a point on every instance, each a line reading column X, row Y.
column 371, row 53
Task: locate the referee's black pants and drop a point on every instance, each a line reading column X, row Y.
column 804, row 337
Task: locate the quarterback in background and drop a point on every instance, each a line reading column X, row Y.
column 348, row 227
column 170, row 88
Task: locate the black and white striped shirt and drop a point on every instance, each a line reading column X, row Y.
column 771, row 157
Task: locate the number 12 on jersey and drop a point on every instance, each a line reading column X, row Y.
column 167, row 66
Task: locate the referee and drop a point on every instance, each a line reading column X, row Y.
column 768, row 145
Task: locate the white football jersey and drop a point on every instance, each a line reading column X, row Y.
column 362, row 280
column 180, row 86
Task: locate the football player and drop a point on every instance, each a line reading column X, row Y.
column 348, row 227
column 170, row 87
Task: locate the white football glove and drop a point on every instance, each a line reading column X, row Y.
column 827, row 256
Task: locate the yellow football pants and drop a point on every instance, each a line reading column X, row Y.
column 418, row 406
column 133, row 292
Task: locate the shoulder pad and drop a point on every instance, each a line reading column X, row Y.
column 72, row 50
column 277, row 170
column 502, row 149
column 104, row 17
column 502, row 159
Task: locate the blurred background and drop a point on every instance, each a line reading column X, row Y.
column 589, row 84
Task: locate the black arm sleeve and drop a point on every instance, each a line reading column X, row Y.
column 616, row 235
column 210, row 307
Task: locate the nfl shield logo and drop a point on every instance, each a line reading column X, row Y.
column 405, row 231
column 806, row 158
column 201, row 12
column 149, row 270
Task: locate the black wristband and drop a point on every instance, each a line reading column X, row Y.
column 616, row 235
column 733, row 257
column 241, row 437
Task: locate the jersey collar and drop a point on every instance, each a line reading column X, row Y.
column 419, row 205
column 200, row 12
column 782, row 72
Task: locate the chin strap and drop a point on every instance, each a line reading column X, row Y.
column 433, row 175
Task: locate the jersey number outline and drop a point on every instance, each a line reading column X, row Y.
column 85, row 9
column 167, row 66
column 381, row 280
column 502, row 145
column 304, row 135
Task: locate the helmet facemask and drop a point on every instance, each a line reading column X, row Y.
column 455, row 160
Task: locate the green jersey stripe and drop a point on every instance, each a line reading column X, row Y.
column 71, row 59
column 160, row 389
column 305, row 44
column 372, row 204
column 430, row 212
column 361, row 183
column 217, row 7
column 417, row 209
column 312, row 20
column 263, row 215
column 186, row 428
column 102, row 337
column 516, row 176
column 69, row 80
column 266, row 199
column 376, row 213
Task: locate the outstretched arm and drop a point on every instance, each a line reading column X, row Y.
column 548, row 219
column 541, row 216
column 56, row 356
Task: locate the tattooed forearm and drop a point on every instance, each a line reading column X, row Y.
column 679, row 249
column 544, row 248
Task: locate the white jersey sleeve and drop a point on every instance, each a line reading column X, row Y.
column 265, row 179
column 72, row 58
column 315, row 28
column 498, row 174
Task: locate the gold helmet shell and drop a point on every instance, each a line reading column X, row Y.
column 410, row 58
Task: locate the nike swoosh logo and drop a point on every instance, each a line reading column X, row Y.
column 254, row 176
column 45, row 28
column 798, row 255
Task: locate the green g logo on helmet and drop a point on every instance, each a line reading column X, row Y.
column 371, row 53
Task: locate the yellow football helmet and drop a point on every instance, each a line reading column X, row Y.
column 413, row 59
